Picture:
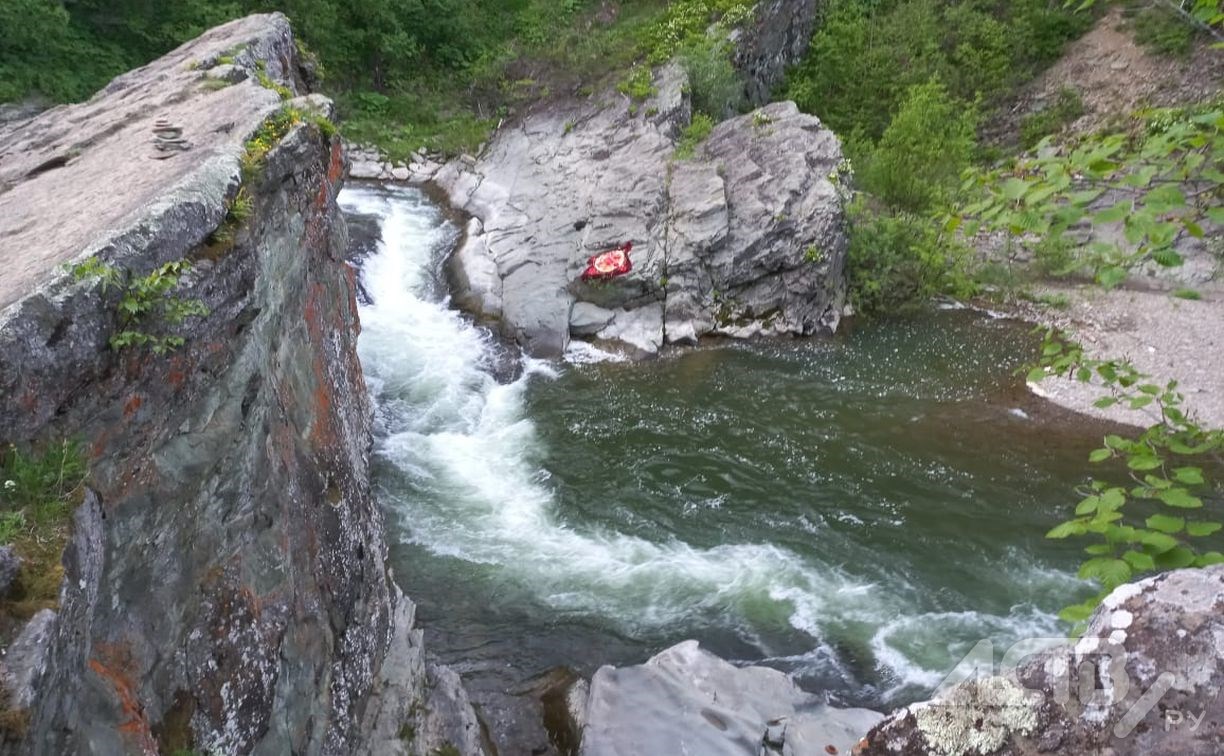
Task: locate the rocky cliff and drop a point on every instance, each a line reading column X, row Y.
column 225, row 586
column 739, row 235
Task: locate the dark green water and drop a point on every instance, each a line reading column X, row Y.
column 856, row 511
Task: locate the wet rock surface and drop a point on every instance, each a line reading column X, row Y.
column 687, row 700
column 225, row 587
column 745, row 237
column 1145, row 678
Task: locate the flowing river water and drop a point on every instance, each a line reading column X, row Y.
column 857, row 511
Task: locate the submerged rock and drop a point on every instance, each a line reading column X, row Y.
column 1146, row 677
column 745, row 237
column 687, row 700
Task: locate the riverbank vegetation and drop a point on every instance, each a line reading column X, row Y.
column 905, row 83
column 908, row 84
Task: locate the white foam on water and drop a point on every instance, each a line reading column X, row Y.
column 585, row 353
column 477, row 490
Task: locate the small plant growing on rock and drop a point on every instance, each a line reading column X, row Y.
column 693, row 135
column 813, row 254
column 240, row 210
column 269, row 134
column 143, row 299
column 266, row 81
column 638, row 85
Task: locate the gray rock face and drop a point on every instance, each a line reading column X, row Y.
column 687, row 700
column 25, row 659
column 777, row 37
column 225, row 587
column 745, row 238
column 10, row 564
column 1145, row 678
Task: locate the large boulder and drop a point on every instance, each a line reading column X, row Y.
column 687, row 700
column 743, row 237
column 1146, row 677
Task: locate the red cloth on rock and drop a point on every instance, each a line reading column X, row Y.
column 610, row 264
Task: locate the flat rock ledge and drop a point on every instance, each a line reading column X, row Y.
column 1145, row 678
column 743, row 237
column 687, row 700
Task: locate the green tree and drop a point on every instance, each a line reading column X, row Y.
column 1152, row 184
column 924, row 150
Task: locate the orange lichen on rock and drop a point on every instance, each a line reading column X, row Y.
column 113, row 664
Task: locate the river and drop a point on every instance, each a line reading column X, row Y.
column 857, row 511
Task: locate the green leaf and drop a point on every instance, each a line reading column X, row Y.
column 1160, row 542
column 1143, row 462
column 1105, row 402
column 1111, row 275
column 1098, row 549
column 1167, row 258
column 1175, row 559
column 1037, row 375
column 1066, row 529
column 1208, row 559
column 1108, row 571
column 1014, row 188
column 1099, row 455
column 1200, row 529
column 1166, row 523
column 1078, row 612
column 1191, row 476
column 1112, row 500
column 1139, row 561
column 1088, row 505
column 1181, row 498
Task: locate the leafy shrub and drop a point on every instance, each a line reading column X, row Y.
column 924, row 150
column 1163, row 169
column 1161, row 30
column 900, row 260
column 1147, row 513
column 715, row 86
column 148, row 310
